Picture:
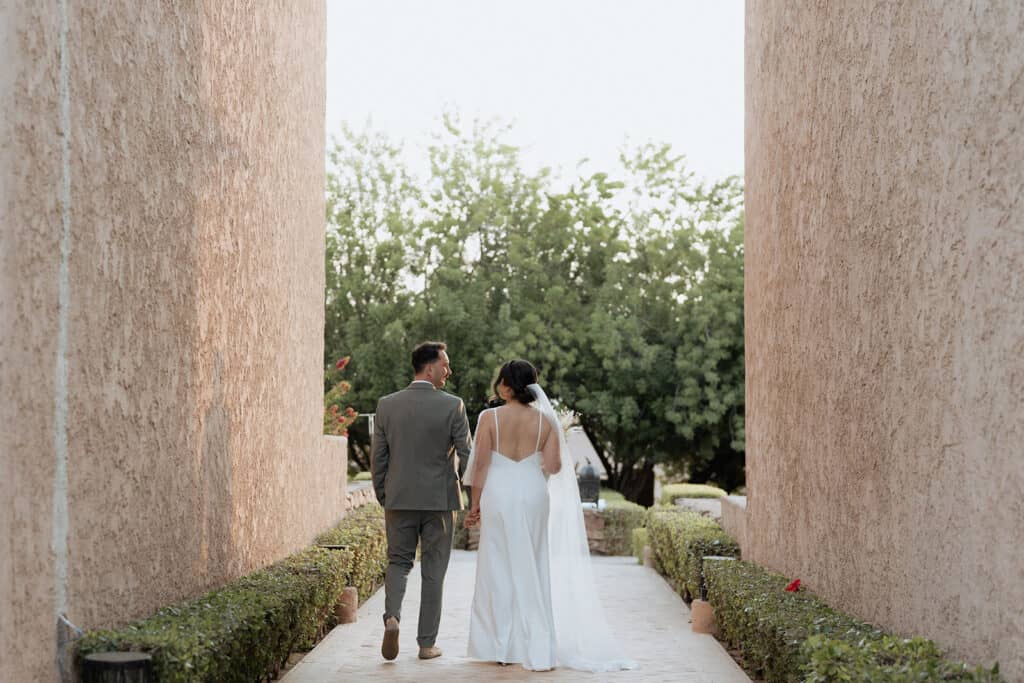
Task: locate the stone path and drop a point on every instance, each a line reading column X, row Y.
column 650, row 619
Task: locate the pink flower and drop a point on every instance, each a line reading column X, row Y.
column 794, row 586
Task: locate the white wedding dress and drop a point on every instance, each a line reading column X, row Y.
column 512, row 619
column 535, row 601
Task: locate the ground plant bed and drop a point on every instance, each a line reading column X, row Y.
column 680, row 539
column 790, row 636
column 246, row 630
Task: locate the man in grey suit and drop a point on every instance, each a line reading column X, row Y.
column 419, row 436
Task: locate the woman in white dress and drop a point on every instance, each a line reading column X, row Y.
column 534, row 602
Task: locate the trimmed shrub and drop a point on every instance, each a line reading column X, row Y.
column 362, row 533
column 363, row 476
column 679, row 539
column 620, row 518
column 460, row 540
column 610, row 495
column 789, row 637
column 639, row 542
column 245, row 630
column 670, row 492
column 891, row 659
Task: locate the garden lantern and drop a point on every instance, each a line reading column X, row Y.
column 590, row 484
column 117, row 667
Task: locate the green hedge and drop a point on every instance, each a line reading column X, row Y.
column 362, row 532
column 460, row 540
column 611, row 494
column 790, row 637
column 620, row 518
column 363, row 476
column 679, row 539
column 670, row 492
column 245, row 630
column 639, row 542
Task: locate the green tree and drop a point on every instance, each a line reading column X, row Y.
column 625, row 291
column 480, row 214
column 372, row 204
column 661, row 379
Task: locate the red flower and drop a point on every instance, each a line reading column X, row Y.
column 794, row 586
column 342, row 363
column 334, row 410
column 350, row 411
column 345, row 433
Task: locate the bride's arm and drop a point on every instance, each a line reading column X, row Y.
column 551, row 458
column 476, row 473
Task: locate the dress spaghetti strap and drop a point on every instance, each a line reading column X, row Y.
column 540, row 428
column 494, row 411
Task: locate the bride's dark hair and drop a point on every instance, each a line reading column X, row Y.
column 517, row 376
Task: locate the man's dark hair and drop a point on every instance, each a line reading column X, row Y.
column 426, row 353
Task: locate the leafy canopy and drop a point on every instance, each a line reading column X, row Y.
column 625, row 290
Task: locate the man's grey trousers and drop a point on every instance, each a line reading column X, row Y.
column 433, row 530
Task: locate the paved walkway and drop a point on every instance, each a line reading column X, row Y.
column 650, row 619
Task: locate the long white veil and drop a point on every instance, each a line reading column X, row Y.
column 584, row 639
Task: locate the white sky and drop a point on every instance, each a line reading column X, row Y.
column 576, row 77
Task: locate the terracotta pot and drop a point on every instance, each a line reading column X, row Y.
column 346, row 609
column 702, row 617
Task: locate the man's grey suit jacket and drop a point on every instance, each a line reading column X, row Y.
column 420, row 434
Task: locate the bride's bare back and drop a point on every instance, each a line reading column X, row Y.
column 520, row 432
column 517, row 431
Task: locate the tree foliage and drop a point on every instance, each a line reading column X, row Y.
column 626, row 290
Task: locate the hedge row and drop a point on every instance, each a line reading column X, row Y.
column 679, row 540
column 362, row 534
column 460, row 539
column 608, row 495
column 671, row 492
column 788, row 637
column 620, row 518
column 245, row 630
column 639, row 542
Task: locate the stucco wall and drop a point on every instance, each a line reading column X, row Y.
column 885, row 312
column 193, row 305
column 30, row 251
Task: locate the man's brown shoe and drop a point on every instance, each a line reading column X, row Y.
column 430, row 652
column 389, row 648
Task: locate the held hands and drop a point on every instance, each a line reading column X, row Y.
column 472, row 518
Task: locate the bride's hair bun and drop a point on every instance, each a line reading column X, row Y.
column 517, row 375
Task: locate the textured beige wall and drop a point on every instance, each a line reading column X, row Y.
column 30, row 223
column 194, row 315
column 885, row 312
